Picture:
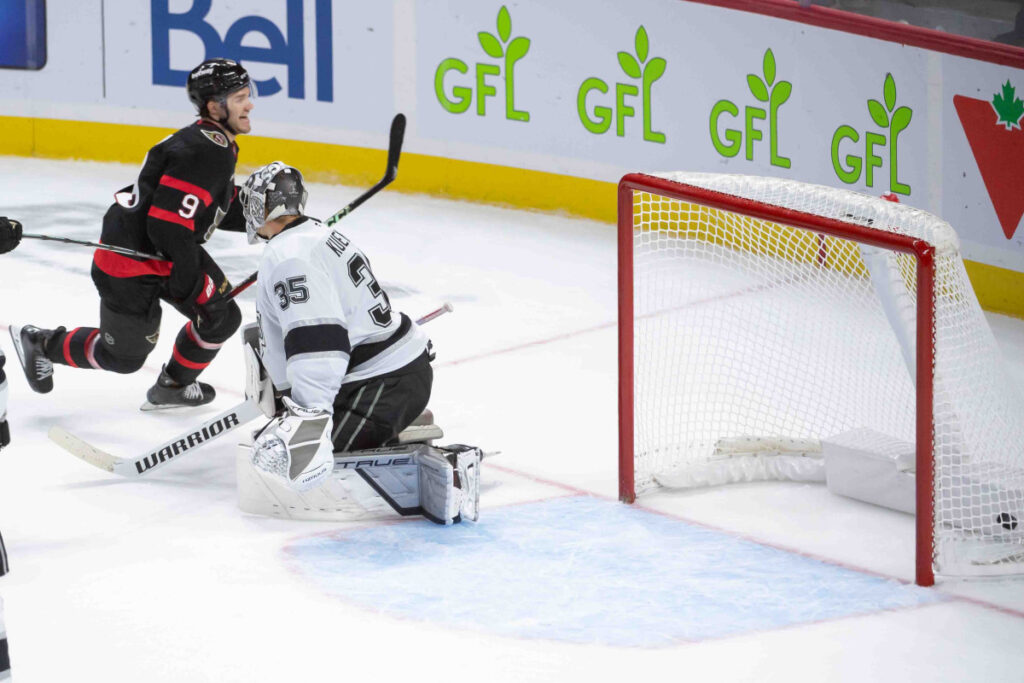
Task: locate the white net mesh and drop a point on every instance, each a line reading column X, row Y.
column 749, row 331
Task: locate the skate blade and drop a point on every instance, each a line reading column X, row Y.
column 147, row 407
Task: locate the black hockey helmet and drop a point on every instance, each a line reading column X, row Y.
column 271, row 191
column 215, row 79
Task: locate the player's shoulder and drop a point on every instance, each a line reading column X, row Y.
column 203, row 141
column 299, row 242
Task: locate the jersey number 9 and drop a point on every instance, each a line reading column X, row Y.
column 189, row 205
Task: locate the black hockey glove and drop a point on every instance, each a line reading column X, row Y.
column 10, row 234
column 208, row 301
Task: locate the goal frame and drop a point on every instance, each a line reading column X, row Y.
column 921, row 250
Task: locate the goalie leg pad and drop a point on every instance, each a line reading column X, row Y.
column 258, row 387
column 450, row 484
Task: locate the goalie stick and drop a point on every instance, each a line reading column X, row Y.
column 157, row 457
column 395, row 139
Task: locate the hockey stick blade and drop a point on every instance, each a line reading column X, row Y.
column 390, row 173
column 396, row 137
column 160, row 455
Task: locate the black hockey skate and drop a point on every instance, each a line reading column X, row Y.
column 30, row 342
column 167, row 393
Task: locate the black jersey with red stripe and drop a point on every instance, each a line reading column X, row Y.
column 185, row 191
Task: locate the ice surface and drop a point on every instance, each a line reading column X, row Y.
column 165, row 580
column 584, row 570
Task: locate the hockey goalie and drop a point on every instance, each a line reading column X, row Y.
column 342, row 376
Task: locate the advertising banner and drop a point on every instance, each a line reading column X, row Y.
column 572, row 88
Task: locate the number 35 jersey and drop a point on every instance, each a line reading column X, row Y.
column 324, row 319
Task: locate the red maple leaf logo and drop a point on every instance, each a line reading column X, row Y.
column 999, row 153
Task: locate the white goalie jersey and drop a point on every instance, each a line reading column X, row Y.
column 324, row 319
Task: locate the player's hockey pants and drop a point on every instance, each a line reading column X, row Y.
column 370, row 413
column 130, row 326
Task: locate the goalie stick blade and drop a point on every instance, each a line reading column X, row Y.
column 395, row 138
column 157, row 457
column 80, row 449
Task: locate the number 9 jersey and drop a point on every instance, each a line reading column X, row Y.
column 324, row 319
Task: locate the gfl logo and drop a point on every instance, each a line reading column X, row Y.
column 285, row 47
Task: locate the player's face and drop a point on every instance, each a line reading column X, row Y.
column 239, row 105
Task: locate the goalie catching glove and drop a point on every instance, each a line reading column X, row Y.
column 296, row 447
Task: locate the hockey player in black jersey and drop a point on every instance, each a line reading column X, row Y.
column 184, row 192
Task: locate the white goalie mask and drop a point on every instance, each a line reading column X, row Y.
column 271, row 191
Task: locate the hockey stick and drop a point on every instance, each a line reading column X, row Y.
column 396, row 137
column 447, row 308
column 156, row 457
column 124, row 251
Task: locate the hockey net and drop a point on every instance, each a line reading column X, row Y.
column 760, row 317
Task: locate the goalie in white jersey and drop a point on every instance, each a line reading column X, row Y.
column 329, row 338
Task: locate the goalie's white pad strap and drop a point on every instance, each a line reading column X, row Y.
column 258, row 387
column 439, row 498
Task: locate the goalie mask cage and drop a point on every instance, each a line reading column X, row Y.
column 760, row 316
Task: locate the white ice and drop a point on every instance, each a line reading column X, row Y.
column 165, row 580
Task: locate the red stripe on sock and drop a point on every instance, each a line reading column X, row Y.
column 67, row 347
column 186, row 362
column 90, row 348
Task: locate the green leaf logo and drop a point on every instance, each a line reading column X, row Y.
column 757, row 87
column 889, row 92
column 493, row 45
column 1008, row 106
column 631, row 65
column 880, row 113
column 655, row 68
column 490, row 45
column 769, row 67
column 762, row 89
column 504, row 24
column 901, row 118
column 641, row 44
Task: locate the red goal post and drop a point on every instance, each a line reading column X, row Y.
column 685, row 215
